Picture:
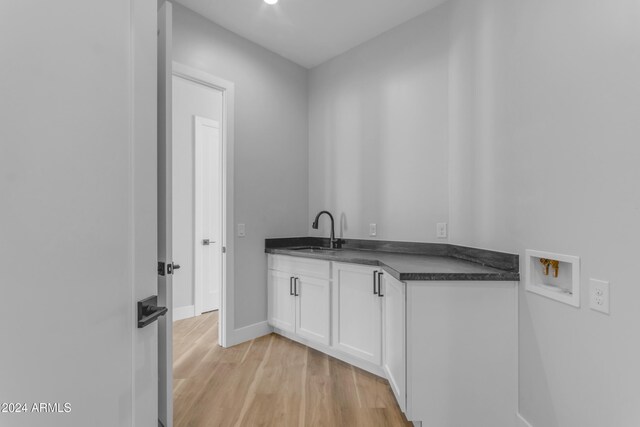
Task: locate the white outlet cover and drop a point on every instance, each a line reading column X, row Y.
column 373, row 229
column 441, row 230
column 599, row 295
column 241, row 230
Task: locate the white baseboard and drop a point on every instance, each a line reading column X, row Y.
column 185, row 312
column 248, row 333
column 522, row 422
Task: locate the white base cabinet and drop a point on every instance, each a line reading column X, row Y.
column 462, row 353
column 357, row 311
column 394, row 338
column 313, row 309
column 448, row 349
column 298, row 302
column 281, row 307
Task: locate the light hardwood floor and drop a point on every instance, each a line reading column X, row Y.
column 270, row 381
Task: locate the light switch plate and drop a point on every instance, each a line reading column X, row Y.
column 241, row 230
column 373, row 229
column 599, row 295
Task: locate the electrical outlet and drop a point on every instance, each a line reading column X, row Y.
column 599, row 295
column 441, row 230
column 241, row 230
column 373, row 229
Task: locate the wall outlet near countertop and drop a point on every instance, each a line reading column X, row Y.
column 373, row 229
column 599, row 295
column 441, row 230
column 241, row 230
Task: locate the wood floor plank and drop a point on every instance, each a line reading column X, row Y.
column 191, row 357
column 373, row 390
column 277, row 396
column 226, row 391
column 271, row 381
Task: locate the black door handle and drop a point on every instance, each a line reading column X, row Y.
column 149, row 312
column 375, row 273
column 170, row 268
column 380, row 285
column 295, row 286
column 291, row 285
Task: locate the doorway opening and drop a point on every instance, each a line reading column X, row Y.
column 198, row 204
column 200, row 214
column 202, row 122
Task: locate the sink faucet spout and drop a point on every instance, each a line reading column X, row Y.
column 334, row 243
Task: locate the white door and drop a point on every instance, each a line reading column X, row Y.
column 313, row 308
column 357, row 312
column 165, row 255
column 282, row 302
column 208, row 214
column 394, row 347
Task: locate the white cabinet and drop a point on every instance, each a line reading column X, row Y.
column 299, row 297
column 462, row 353
column 394, row 344
column 313, row 309
column 282, row 302
column 447, row 348
column 357, row 312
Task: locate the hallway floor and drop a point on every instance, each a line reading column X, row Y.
column 270, row 381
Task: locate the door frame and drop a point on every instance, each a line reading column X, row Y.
column 227, row 88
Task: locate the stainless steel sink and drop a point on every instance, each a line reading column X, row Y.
column 314, row 249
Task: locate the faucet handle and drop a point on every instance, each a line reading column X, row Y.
column 337, row 243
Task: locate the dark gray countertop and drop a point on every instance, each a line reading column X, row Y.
column 406, row 266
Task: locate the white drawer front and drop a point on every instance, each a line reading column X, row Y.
column 300, row 266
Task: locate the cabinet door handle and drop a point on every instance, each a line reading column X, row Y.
column 291, row 285
column 375, row 291
column 380, row 285
column 295, row 287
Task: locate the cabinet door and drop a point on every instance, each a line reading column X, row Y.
column 357, row 311
column 282, row 304
column 394, row 346
column 313, row 308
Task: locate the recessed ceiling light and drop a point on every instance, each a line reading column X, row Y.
column 271, row 1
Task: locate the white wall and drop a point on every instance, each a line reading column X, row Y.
column 545, row 100
column 69, row 227
column 480, row 178
column 189, row 99
column 378, row 134
column 270, row 145
column 540, row 102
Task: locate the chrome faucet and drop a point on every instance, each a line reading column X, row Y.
column 334, row 243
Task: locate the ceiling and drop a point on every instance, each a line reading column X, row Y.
column 309, row 32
